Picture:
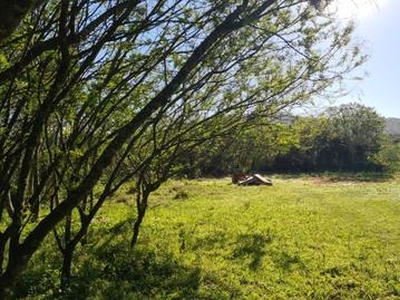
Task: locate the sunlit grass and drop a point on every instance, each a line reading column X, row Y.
column 307, row 237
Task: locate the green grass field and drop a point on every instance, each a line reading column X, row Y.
column 309, row 237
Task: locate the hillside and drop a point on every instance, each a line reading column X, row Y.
column 393, row 127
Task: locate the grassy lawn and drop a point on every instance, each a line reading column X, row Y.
column 322, row 237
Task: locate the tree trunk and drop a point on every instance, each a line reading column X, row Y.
column 67, row 255
column 141, row 204
column 5, row 288
column 16, row 266
column 66, row 268
column 136, row 227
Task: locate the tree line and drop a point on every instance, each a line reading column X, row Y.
column 350, row 137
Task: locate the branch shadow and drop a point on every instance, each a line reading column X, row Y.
column 287, row 261
column 252, row 245
column 357, row 177
column 256, row 247
column 337, row 177
column 137, row 275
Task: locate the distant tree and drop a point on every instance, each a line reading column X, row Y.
column 355, row 133
column 347, row 137
column 308, row 136
column 247, row 148
column 388, row 156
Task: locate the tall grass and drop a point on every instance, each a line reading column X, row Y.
column 313, row 237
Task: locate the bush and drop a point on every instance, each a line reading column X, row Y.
column 389, row 156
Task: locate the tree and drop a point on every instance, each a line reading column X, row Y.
column 347, row 137
column 251, row 146
column 90, row 87
column 12, row 12
column 308, row 141
column 355, row 133
column 388, row 156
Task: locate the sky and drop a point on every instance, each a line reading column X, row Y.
column 378, row 26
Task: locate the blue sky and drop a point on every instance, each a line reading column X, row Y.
column 378, row 25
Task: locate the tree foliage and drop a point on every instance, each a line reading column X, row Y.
column 98, row 93
column 349, row 137
column 355, row 133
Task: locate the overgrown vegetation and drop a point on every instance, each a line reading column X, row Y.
column 329, row 236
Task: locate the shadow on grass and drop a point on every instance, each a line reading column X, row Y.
column 43, row 275
column 138, row 275
column 341, row 176
column 287, row 261
column 357, row 177
column 115, row 274
column 107, row 269
column 113, row 271
column 210, row 241
column 252, row 245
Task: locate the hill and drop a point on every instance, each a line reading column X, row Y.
column 393, row 127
